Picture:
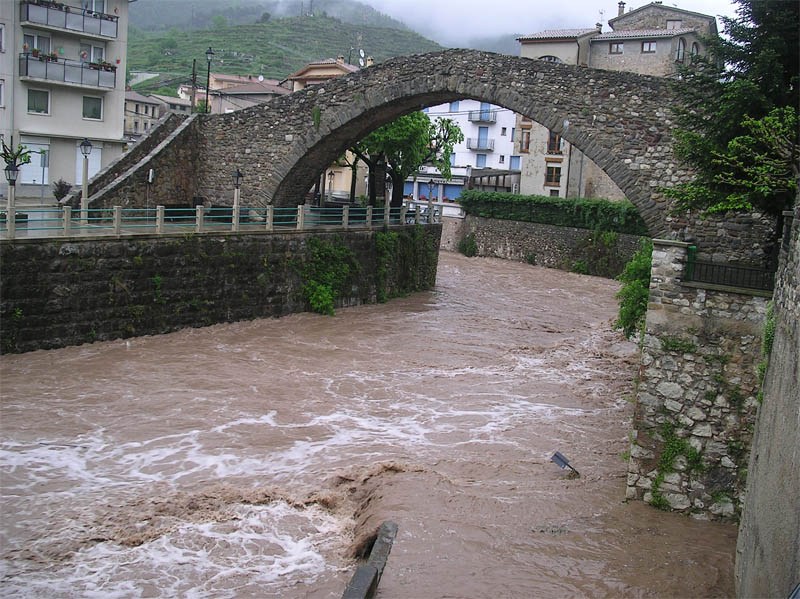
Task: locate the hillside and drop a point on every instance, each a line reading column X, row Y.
column 161, row 15
column 273, row 49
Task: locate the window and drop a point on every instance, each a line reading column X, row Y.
column 502, row 159
column 525, row 142
column 453, row 159
column 695, row 50
column 503, row 131
column 96, row 5
column 615, row 48
column 423, row 110
column 136, row 108
column 34, row 41
column 513, row 133
column 554, row 193
column 648, row 47
column 136, row 126
column 2, row 37
column 550, row 58
column 681, row 50
column 91, row 53
column 515, row 163
column 454, row 106
column 480, row 160
column 674, row 24
column 92, row 108
column 553, row 176
column 2, row 93
column 37, row 170
column 554, row 143
column 38, row 101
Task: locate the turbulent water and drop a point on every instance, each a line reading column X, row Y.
column 253, row 459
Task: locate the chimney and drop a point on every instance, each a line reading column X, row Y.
column 599, row 27
column 621, row 9
column 340, row 59
column 370, row 62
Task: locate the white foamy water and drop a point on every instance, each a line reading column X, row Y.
column 248, row 459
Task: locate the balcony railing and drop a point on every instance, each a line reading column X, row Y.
column 475, row 143
column 71, row 18
column 483, row 116
column 67, row 71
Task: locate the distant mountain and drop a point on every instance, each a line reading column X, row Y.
column 160, row 15
column 502, row 44
column 274, row 49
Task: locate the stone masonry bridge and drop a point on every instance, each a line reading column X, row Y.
column 622, row 121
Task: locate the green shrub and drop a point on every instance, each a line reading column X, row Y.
column 582, row 213
column 327, row 270
column 467, row 245
column 635, row 290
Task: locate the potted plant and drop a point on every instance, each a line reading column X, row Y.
column 53, row 56
column 35, row 52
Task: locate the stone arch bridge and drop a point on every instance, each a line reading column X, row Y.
column 622, row 121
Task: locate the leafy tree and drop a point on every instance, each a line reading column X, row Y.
column 264, row 17
column 219, row 22
column 407, row 143
column 739, row 115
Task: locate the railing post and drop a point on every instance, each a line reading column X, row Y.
column 199, row 212
column 387, row 206
column 11, row 221
column 369, row 217
column 403, row 213
column 235, row 219
column 117, row 220
column 270, row 217
column 430, row 212
column 416, row 214
column 67, row 220
column 159, row 220
column 300, row 215
column 345, row 217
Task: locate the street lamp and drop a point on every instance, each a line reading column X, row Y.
column 86, row 149
column 330, row 186
column 237, row 184
column 12, row 171
column 430, row 190
column 209, row 56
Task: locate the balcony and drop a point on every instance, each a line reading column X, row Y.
column 71, row 72
column 485, row 145
column 483, row 116
column 61, row 17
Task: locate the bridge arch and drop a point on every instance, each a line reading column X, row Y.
column 620, row 120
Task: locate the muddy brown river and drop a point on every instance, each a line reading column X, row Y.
column 250, row 459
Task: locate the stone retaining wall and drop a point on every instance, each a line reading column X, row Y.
column 545, row 245
column 697, row 392
column 58, row 293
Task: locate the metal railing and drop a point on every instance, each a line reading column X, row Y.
column 71, row 18
column 730, row 275
column 67, row 71
column 475, row 143
column 118, row 221
column 483, row 116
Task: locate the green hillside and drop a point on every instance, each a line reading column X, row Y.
column 273, row 49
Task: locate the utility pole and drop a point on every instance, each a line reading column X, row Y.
column 194, row 82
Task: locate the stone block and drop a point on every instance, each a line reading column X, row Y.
column 702, row 430
column 696, row 413
column 640, row 453
column 677, row 501
column 672, row 406
column 670, row 390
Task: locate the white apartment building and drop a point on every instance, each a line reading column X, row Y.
column 489, row 133
column 62, row 79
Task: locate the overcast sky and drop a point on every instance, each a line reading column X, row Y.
column 456, row 20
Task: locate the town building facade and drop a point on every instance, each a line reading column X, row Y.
column 62, row 79
column 651, row 40
column 141, row 115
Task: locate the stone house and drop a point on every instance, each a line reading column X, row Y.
column 653, row 39
column 141, row 114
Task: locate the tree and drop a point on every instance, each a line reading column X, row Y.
column 405, row 144
column 219, row 22
column 739, row 107
column 265, row 17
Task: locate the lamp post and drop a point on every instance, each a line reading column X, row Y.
column 209, row 56
column 237, row 184
column 86, row 149
column 12, row 171
column 430, row 190
column 330, row 187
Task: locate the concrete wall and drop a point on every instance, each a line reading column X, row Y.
column 768, row 546
column 98, row 289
